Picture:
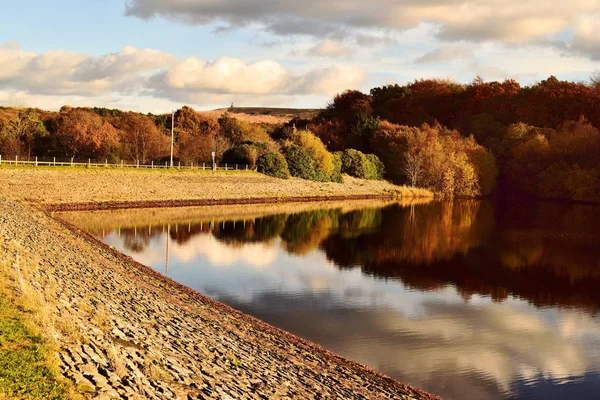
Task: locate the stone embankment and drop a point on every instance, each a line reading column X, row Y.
column 125, row 331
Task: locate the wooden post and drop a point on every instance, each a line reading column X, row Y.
column 16, row 160
column 54, row 162
column 179, row 167
column 89, row 162
column 36, row 163
column 0, row 159
column 121, row 163
column 236, row 167
column 225, row 166
column 166, row 164
column 72, row 161
column 203, row 166
column 152, row 164
column 246, row 167
column 106, row 162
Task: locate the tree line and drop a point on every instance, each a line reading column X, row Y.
column 455, row 139
column 467, row 139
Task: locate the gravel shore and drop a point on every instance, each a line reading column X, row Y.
column 125, row 331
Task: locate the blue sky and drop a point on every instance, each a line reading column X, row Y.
column 155, row 55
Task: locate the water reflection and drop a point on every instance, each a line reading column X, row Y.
column 466, row 299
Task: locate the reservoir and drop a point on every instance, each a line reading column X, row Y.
column 465, row 299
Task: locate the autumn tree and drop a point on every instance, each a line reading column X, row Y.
column 19, row 134
column 82, row 133
column 141, row 139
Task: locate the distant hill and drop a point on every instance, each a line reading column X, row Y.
column 266, row 115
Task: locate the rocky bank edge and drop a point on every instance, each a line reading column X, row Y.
column 125, row 331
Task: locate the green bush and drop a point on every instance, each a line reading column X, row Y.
column 336, row 176
column 357, row 164
column 378, row 164
column 301, row 164
column 245, row 153
column 273, row 164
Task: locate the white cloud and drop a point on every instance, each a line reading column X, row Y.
column 233, row 76
column 329, row 48
column 445, row 54
column 332, row 80
column 511, row 21
column 228, row 75
column 586, row 38
column 76, row 78
column 68, row 73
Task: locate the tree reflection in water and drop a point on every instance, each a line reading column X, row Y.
column 548, row 254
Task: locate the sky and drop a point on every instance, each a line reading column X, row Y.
column 157, row 55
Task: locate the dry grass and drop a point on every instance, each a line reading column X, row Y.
column 115, row 359
column 264, row 115
column 29, row 367
column 56, row 185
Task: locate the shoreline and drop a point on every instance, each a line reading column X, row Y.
column 125, row 330
column 128, row 205
column 258, row 323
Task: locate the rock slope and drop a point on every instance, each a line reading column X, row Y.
column 125, row 331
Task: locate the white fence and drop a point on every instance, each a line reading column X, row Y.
column 71, row 162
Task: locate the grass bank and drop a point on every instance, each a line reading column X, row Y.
column 29, row 367
column 81, row 185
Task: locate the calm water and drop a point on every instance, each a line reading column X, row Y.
column 464, row 299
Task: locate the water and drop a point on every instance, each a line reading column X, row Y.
column 464, row 299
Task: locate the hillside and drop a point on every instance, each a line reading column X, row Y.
column 266, row 115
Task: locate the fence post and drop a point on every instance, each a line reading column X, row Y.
column 0, row 159
column 137, row 163
column 225, row 166
column 246, row 167
column 106, row 163
column 166, row 164
column 54, row 162
column 236, row 167
column 36, row 161
column 16, row 160
column 179, row 166
column 203, row 166
column 72, row 161
column 152, row 164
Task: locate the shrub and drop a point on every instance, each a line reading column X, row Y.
column 357, row 164
column 336, row 176
column 300, row 162
column 378, row 164
column 273, row 164
column 323, row 159
column 245, row 153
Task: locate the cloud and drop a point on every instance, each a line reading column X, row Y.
column 331, row 80
column 227, row 75
column 511, row 21
column 236, row 77
column 329, row 48
column 68, row 73
column 585, row 39
column 152, row 73
column 445, row 54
